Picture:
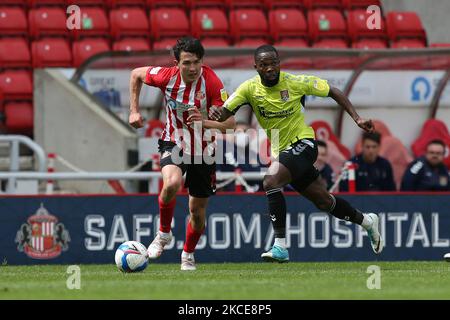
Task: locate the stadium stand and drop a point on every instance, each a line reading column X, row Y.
column 119, row 3
column 326, row 23
column 19, row 117
column 312, row 4
column 16, row 85
column 357, row 26
column 94, row 22
column 168, row 22
column 324, row 132
column 21, row 56
column 151, row 4
column 132, row 44
column 359, row 4
column 129, row 21
column 51, row 52
column 273, row 4
column 232, row 4
column 402, row 25
column 47, row 21
column 432, row 129
column 287, row 23
column 85, row 48
column 392, row 149
column 247, row 23
column 209, row 22
column 13, row 21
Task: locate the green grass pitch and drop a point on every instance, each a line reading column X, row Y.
column 332, row 280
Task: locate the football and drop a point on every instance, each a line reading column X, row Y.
column 447, row 257
column 131, row 256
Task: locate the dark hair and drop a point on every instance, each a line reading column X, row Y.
column 321, row 143
column 436, row 141
column 374, row 136
column 265, row 48
column 188, row 44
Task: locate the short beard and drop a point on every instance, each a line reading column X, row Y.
column 271, row 83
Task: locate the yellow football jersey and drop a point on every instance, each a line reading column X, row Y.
column 279, row 109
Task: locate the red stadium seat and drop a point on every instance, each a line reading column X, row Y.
column 209, row 22
column 168, row 22
column 250, row 43
column 287, row 23
column 273, row 4
column 407, row 44
column 222, row 4
column 119, row 3
column 129, row 21
column 312, row 4
column 214, row 42
column 357, row 26
column 332, row 62
column 164, row 44
column 13, row 21
column 245, row 4
column 367, row 44
column 19, row 118
column 330, row 43
column 84, row 3
column 94, row 22
column 51, row 52
column 360, row 4
column 405, row 25
column 432, row 129
column 292, row 43
column 38, row 3
column 323, row 132
column 166, row 3
column 47, row 21
column 132, row 44
column 248, row 23
column 85, row 48
column 326, row 23
column 16, row 85
column 14, row 53
column 19, row 3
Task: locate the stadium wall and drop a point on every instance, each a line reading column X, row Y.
column 88, row 229
column 71, row 123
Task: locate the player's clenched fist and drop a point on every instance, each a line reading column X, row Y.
column 365, row 124
column 135, row 120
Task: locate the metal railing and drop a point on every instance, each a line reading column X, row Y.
column 14, row 153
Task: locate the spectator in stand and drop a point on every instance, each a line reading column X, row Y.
column 372, row 172
column 428, row 172
column 325, row 171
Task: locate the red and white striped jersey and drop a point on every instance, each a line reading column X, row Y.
column 206, row 91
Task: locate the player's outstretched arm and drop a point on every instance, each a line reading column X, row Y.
column 222, row 126
column 220, row 114
column 137, row 78
column 341, row 99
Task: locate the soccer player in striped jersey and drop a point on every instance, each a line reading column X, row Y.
column 190, row 89
column 278, row 102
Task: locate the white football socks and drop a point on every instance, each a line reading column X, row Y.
column 281, row 242
column 367, row 221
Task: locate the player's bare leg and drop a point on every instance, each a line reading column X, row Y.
column 276, row 178
column 172, row 178
column 194, row 230
column 341, row 209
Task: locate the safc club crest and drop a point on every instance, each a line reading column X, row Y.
column 42, row 237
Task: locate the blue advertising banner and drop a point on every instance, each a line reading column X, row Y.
column 88, row 229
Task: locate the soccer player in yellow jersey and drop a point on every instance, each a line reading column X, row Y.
column 277, row 99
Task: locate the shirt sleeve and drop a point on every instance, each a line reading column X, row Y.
column 238, row 98
column 314, row 86
column 157, row 76
column 216, row 91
